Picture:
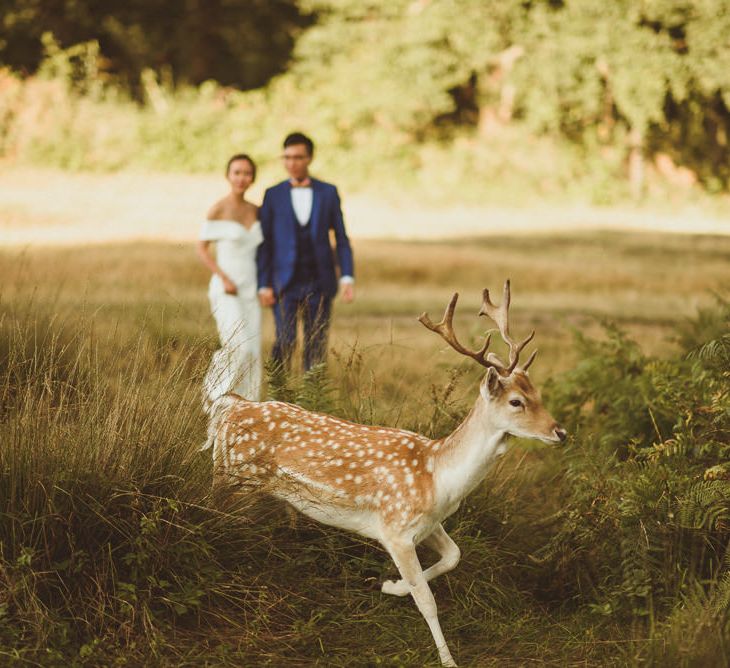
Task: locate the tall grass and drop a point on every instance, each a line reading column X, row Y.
column 116, row 550
column 101, row 490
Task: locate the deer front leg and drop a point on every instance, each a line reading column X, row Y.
column 439, row 541
column 405, row 558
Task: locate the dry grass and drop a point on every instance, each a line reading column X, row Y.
column 647, row 282
column 40, row 206
column 143, row 309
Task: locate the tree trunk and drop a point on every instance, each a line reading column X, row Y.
column 608, row 120
column 496, row 94
column 488, row 123
column 636, row 163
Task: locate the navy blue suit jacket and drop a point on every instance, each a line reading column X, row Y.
column 276, row 256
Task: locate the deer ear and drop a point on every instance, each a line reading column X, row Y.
column 491, row 385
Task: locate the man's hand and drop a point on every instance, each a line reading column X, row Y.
column 348, row 293
column 266, row 297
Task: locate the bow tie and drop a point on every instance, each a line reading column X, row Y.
column 306, row 183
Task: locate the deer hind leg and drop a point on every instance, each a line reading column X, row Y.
column 439, row 541
column 405, row 558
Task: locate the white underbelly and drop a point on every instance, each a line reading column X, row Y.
column 363, row 522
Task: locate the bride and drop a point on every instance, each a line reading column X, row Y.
column 234, row 228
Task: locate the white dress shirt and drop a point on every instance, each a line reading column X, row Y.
column 301, row 201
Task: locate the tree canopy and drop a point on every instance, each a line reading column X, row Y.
column 654, row 75
column 240, row 43
column 648, row 78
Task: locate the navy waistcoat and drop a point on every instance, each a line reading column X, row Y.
column 305, row 269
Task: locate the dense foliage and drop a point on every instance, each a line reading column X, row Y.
column 645, row 527
column 480, row 88
column 238, row 43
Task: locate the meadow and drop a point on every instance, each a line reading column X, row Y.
column 609, row 551
column 535, row 137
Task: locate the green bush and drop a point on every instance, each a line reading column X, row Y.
column 74, row 116
column 644, row 523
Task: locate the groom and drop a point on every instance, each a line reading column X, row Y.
column 296, row 264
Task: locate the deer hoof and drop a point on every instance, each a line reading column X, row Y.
column 399, row 588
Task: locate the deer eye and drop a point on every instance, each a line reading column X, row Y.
column 515, row 402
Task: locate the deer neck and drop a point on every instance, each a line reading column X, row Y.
column 464, row 456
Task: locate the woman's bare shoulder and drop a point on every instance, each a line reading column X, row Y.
column 244, row 212
column 217, row 211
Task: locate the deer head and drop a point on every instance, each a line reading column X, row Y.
column 512, row 402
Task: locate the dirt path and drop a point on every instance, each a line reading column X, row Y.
column 48, row 207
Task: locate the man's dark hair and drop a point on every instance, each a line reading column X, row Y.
column 242, row 156
column 300, row 138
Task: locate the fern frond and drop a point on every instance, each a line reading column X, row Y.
column 706, row 505
column 316, row 392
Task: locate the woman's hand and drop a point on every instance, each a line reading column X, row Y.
column 204, row 253
column 229, row 286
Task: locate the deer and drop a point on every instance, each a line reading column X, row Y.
column 387, row 484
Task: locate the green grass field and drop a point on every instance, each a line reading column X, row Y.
column 115, row 551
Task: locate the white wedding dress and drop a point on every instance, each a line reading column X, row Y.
column 236, row 366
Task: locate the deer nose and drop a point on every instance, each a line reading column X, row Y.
column 560, row 433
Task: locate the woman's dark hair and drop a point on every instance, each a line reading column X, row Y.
column 298, row 138
column 242, row 156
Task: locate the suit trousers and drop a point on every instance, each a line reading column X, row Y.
column 305, row 302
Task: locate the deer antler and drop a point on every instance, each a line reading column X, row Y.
column 500, row 315
column 445, row 329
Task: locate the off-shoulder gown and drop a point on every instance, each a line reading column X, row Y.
column 236, row 366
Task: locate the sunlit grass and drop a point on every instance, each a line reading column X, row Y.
column 647, row 282
column 115, row 548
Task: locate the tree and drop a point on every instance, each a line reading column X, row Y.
column 240, row 43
